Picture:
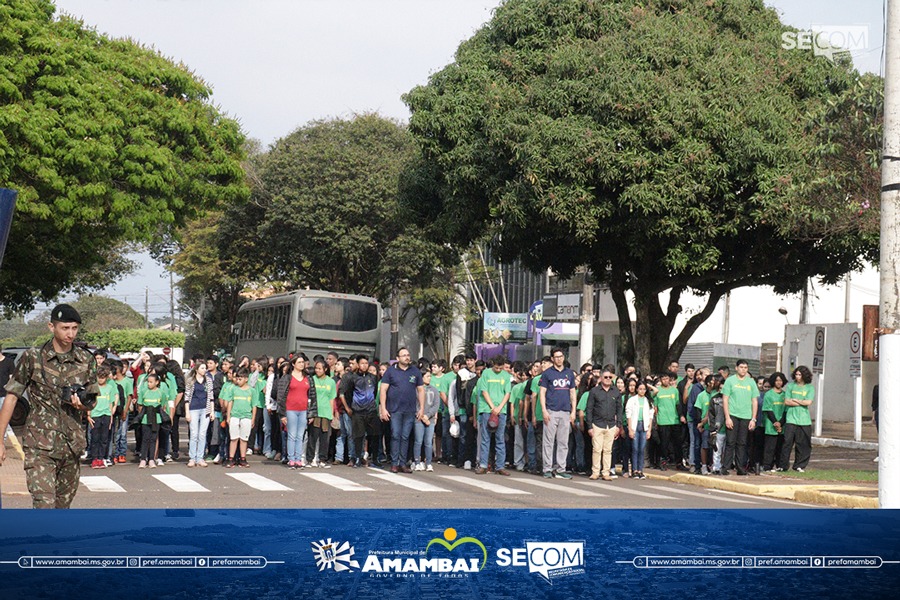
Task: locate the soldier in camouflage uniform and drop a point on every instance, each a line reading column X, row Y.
column 54, row 435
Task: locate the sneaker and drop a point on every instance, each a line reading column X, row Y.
column 453, row 465
column 95, row 464
column 313, row 464
column 502, row 472
column 548, row 474
column 562, row 475
column 356, row 464
column 143, row 465
column 779, row 470
column 152, row 465
column 480, row 471
column 799, row 469
column 875, row 459
column 270, row 456
column 122, row 460
column 217, row 459
column 325, row 465
column 704, row 470
column 159, row 462
column 429, row 469
column 169, row 458
column 244, row 463
column 191, row 464
column 84, row 456
column 202, row 463
column 641, row 475
column 302, row 464
column 249, row 452
column 594, row 477
column 405, row 469
column 468, row 465
column 229, row 464
column 612, row 475
column 419, row 466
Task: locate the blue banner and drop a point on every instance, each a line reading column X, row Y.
column 449, row 553
column 7, row 207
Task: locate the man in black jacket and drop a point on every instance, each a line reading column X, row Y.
column 604, row 417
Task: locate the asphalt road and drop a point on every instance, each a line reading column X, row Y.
column 268, row 484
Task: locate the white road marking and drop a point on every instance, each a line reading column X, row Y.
column 559, row 488
column 625, row 490
column 258, row 482
column 484, row 485
column 334, row 481
column 101, row 483
column 698, row 494
column 180, row 483
column 411, row 482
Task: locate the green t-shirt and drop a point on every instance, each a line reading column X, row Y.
column 773, row 401
column 242, row 401
column 326, row 391
column 741, row 393
column 798, row 415
column 442, row 384
column 515, row 398
column 582, row 402
column 536, row 398
column 702, row 402
column 109, row 395
column 148, row 397
column 497, row 386
column 260, row 400
column 666, row 401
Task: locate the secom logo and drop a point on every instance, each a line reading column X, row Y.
column 550, row 560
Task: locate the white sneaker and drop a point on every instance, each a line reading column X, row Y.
column 106, row 462
column 160, row 462
column 325, row 465
column 169, row 458
column 217, row 459
column 704, row 470
column 249, row 452
column 429, row 469
column 202, row 463
column 468, row 465
column 84, row 456
column 419, row 467
column 800, row 470
column 314, row 463
column 191, row 463
column 875, row 459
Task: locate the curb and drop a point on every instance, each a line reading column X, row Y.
column 810, row 494
column 851, row 444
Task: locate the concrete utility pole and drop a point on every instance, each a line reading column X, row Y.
column 147, row 307
column 172, row 301
column 889, row 342
column 586, row 334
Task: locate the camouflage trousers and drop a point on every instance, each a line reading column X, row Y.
column 52, row 482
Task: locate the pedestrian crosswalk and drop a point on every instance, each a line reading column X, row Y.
column 385, row 484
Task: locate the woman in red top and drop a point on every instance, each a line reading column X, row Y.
column 296, row 397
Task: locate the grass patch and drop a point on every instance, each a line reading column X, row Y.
column 843, row 475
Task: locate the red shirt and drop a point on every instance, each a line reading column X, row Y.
column 298, row 394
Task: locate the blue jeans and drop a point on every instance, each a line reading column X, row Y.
column 423, row 434
column 531, row 447
column 484, row 440
column 296, row 428
column 118, row 441
column 345, row 439
column 197, row 445
column 637, row 448
column 401, row 428
column 267, row 432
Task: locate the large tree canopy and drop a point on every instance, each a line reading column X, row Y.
column 107, row 142
column 325, row 213
column 659, row 142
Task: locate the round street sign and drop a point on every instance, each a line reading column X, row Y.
column 820, row 340
column 854, row 342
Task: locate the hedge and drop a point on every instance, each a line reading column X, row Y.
column 132, row 340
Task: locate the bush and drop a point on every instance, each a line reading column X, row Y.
column 132, row 340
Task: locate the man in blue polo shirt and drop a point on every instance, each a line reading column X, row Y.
column 403, row 398
column 558, row 406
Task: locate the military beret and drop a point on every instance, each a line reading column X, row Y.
column 63, row 313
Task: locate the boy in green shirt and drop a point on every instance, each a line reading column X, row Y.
column 493, row 391
column 798, row 397
column 242, row 406
column 773, row 411
column 740, row 417
column 100, row 417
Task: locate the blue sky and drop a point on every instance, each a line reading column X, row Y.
column 278, row 64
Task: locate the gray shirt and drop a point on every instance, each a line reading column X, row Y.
column 432, row 401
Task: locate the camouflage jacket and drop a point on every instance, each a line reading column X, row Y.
column 51, row 425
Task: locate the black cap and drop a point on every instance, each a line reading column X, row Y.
column 63, row 313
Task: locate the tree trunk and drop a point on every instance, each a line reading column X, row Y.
column 625, row 351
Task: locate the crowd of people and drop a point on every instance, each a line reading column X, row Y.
column 489, row 417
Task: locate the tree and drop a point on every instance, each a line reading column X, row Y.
column 107, row 142
column 325, row 213
column 661, row 143
column 99, row 313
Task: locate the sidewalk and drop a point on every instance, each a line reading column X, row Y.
column 13, row 489
column 840, row 433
